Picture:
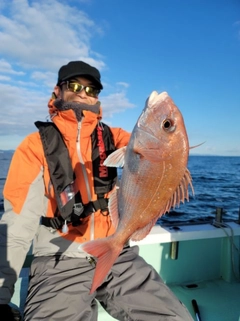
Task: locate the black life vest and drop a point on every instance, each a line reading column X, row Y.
column 69, row 202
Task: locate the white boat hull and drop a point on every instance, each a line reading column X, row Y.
column 198, row 261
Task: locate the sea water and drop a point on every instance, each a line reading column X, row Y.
column 216, row 182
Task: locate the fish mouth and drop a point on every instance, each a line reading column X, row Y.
column 155, row 98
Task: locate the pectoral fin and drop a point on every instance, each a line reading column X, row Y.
column 116, row 159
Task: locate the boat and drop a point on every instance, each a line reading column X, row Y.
column 199, row 261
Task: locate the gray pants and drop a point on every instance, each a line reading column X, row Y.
column 59, row 291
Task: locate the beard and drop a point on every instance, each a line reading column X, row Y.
column 76, row 107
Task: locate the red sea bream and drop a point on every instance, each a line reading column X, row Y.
column 155, row 179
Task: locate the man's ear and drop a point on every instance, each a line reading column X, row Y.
column 56, row 92
column 54, row 95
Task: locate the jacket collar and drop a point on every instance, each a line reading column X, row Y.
column 67, row 122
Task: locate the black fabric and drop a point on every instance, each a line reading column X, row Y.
column 76, row 107
column 75, row 218
column 9, row 314
column 105, row 184
column 53, row 222
column 101, row 204
column 79, row 68
column 59, row 164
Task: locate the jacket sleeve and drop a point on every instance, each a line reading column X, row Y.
column 23, row 204
column 120, row 136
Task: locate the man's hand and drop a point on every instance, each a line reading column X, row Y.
column 9, row 314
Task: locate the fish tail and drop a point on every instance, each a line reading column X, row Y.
column 106, row 253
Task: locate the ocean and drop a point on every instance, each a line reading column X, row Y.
column 216, row 182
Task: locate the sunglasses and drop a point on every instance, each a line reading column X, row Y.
column 76, row 88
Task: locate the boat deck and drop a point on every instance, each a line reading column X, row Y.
column 217, row 300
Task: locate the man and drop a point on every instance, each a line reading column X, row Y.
column 57, row 178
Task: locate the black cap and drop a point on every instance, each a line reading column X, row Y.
column 79, row 68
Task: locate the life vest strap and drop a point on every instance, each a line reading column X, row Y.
column 53, row 222
column 79, row 212
column 101, row 204
column 69, row 202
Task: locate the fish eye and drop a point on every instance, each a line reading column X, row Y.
column 168, row 125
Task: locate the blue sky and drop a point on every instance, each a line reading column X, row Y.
column 189, row 48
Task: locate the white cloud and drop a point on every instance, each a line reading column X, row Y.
column 117, row 102
column 36, row 38
column 6, row 68
column 123, row 84
column 47, row 34
column 4, row 78
column 22, row 106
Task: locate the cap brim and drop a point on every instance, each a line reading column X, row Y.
column 96, row 81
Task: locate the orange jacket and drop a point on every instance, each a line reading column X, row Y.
column 29, row 159
column 29, row 195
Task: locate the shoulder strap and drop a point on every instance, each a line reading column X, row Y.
column 60, row 168
column 102, row 146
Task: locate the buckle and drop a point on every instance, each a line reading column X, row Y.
column 78, row 209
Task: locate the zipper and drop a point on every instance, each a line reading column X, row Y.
column 78, row 143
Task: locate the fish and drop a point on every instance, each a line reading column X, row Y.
column 155, row 178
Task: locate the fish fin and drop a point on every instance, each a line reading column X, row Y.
column 106, row 253
column 116, row 159
column 182, row 190
column 113, row 208
column 143, row 232
column 181, row 193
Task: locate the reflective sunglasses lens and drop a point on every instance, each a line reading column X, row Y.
column 75, row 87
column 90, row 91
